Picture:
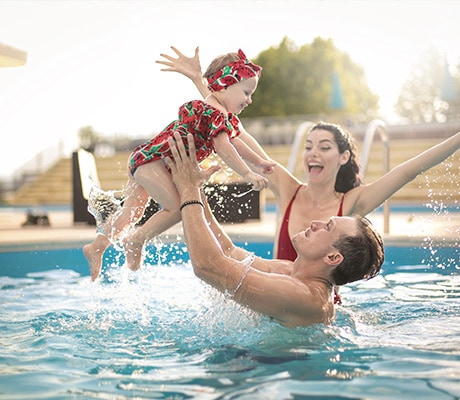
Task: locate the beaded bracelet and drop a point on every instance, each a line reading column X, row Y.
column 188, row 202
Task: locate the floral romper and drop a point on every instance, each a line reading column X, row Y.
column 196, row 117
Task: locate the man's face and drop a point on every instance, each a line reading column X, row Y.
column 318, row 239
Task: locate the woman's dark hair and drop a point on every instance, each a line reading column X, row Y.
column 363, row 254
column 348, row 176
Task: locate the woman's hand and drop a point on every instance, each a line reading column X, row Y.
column 267, row 166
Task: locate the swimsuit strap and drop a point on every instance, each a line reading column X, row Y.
column 340, row 212
column 288, row 209
column 286, row 249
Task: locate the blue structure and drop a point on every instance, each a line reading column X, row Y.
column 337, row 101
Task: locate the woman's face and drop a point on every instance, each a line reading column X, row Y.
column 321, row 158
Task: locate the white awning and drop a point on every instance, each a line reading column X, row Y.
column 11, row 57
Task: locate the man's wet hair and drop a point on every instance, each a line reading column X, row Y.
column 363, row 254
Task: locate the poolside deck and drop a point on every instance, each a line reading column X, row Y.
column 406, row 228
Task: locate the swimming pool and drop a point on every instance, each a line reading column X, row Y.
column 161, row 333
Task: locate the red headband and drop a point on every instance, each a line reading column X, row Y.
column 232, row 73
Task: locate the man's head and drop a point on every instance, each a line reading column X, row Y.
column 363, row 254
column 349, row 245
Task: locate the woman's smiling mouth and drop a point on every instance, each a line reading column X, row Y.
column 317, row 166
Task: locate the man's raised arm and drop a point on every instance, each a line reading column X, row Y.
column 209, row 261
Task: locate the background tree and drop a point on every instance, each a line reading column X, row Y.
column 431, row 93
column 299, row 80
column 88, row 137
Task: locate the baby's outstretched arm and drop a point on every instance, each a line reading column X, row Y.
column 248, row 154
column 232, row 158
column 188, row 66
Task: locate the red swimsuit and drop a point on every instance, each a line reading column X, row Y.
column 286, row 249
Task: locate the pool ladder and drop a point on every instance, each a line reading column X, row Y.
column 374, row 126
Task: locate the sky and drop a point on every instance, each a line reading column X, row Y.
column 93, row 62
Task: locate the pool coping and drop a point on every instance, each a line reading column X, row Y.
column 405, row 229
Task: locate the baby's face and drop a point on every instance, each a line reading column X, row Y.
column 239, row 96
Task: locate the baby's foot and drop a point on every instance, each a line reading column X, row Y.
column 133, row 253
column 94, row 258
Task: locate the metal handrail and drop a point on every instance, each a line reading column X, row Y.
column 37, row 165
column 299, row 136
column 374, row 126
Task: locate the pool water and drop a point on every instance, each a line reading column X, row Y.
column 161, row 333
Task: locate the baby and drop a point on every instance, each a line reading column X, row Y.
column 232, row 80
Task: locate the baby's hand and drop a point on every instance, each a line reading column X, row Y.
column 258, row 181
column 188, row 66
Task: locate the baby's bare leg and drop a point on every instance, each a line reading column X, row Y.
column 132, row 210
column 94, row 252
column 156, row 180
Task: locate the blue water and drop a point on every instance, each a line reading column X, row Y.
column 161, row 333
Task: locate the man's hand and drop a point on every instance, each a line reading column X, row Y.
column 186, row 172
column 188, row 66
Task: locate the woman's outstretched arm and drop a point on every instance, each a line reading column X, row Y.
column 366, row 198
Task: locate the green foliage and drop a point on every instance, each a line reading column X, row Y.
column 431, row 93
column 88, row 137
column 298, row 80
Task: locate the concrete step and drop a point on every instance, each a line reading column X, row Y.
column 439, row 184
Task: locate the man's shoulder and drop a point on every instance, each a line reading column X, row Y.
column 283, row 267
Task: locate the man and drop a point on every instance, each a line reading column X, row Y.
column 299, row 293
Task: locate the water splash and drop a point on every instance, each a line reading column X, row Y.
column 104, row 206
column 443, row 204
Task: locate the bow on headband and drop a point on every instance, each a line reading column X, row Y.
column 232, row 73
